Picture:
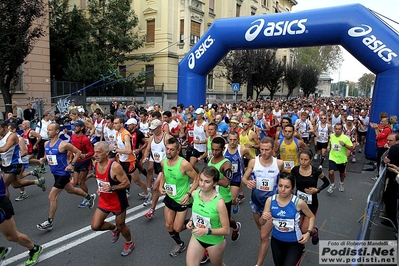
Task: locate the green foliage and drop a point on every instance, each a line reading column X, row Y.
column 20, row 28
column 91, row 44
column 292, row 78
column 366, row 82
column 309, row 79
column 323, row 58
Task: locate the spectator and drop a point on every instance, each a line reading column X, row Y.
column 94, row 105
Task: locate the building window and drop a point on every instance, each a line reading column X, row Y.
column 150, row 30
column 182, row 30
column 149, row 70
column 238, row 9
column 195, row 32
column 209, row 81
column 253, row 11
column 211, row 6
column 265, row 3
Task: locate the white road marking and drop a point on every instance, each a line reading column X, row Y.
column 64, row 247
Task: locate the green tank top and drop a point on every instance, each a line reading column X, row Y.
column 206, row 215
column 223, row 191
column 209, row 148
column 176, row 184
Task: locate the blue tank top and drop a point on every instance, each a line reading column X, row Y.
column 2, row 187
column 237, row 164
column 12, row 155
column 286, row 220
column 56, row 160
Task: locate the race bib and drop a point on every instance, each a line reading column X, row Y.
column 191, row 133
column 265, row 184
column 284, row 225
column 158, row 156
column 26, row 142
column 288, row 165
column 336, row 147
column 170, row 189
column 201, row 222
column 304, row 196
column 217, row 188
column 52, row 160
column 5, row 161
column 234, row 167
column 101, row 184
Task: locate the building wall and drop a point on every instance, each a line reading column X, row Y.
column 36, row 73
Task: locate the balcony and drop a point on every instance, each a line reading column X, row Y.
column 197, row 5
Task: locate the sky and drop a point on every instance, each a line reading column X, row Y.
column 351, row 69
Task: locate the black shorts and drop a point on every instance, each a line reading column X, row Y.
column 359, row 133
column 336, row 167
column 235, row 184
column 228, row 207
column 173, row 205
column 12, row 169
column 128, row 167
column 111, row 154
column 61, row 181
column 204, row 245
column 196, row 154
column 82, row 166
column 306, row 139
column 246, row 161
column 6, row 207
column 157, row 168
column 321, row 145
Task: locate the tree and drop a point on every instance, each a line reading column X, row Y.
column 323, row 58
column 20, row 28
column 309, row 79
column 276, row 73
column 97, row 42
column 292, row 78
column 366, row 82
column 235, row 63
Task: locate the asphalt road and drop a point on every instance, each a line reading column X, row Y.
column 72, row 242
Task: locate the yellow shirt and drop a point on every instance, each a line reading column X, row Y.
column 289, row 154
column 244, row 140
column 210, row 116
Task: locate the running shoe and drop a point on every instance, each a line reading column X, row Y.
column 84, row 203
column 241, row 197
column 4, row 252
column 341, row 188
column 42, row 183
column 205, row 258
column 179, row 248
column 360, row 150
column 34, row 256
column 316, row 156
column 150, row 213
column 315, row 236
column 92, row 200
column 235, row 235
column 320, row 167
column 375, row 178
column 236, row 208
column 147, row 200
column 115, row 235
column 142, row 194
column 46, row 225
column 353, row 159
column 331, row 188
column 128, row 248
column 127, row 193
column 36, row 172
column 22, row 196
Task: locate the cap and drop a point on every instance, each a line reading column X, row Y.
column 234, row 119
column 131, row 121
column 151, row 108
column 199, row 111
column 349, row 118
column 155, row 123
column 79, row 123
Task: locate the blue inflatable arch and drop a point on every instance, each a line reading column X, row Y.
column 354, row 27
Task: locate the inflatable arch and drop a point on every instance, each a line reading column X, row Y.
column 354, row 27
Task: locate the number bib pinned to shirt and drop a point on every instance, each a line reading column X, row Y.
column 265, row 184
column 284, row 225
column 201, row 222
column 101, row 184
column 304, row 196
column 170, row 189
column 52, row 160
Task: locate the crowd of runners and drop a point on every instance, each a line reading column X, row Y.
column 267, row 146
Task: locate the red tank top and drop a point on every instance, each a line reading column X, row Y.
column 114, row 201
column 190, row 134
column 28, row 142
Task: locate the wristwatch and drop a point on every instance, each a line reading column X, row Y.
column 112, row 188
column 310, row 232
column 73, row 163
column 209, row 231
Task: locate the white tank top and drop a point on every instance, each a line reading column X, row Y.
column 98, row 127
column 158, row 150
column 303, row 127
column 110, row 135
column 322, row 132
column 145, row 127
column 335, row 120
column 24, row 159
column 278, row 115
column 199, row 134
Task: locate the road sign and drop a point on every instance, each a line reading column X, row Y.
column 235, row 87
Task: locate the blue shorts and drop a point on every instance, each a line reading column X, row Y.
column 256, row 209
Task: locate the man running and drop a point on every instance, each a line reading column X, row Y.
column 175, row 185
column 265, row 170
column 112, row 184
column 56, row 152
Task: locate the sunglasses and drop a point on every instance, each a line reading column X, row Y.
column 245, row 124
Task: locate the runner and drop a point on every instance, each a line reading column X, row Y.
column 265, row 170
column 56, row 155
column 175, row 185
column 283, row 211
column 112, row 184
column 306, row 178
column 209, row 221
column 9, row 229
